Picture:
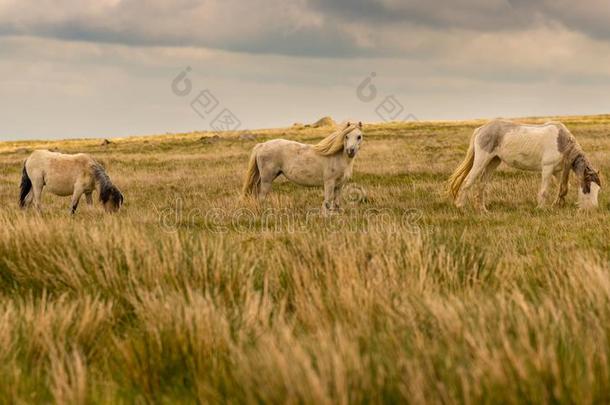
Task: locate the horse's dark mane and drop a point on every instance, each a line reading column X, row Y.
column 108, row 191
column 583, row 169
column 579, row 163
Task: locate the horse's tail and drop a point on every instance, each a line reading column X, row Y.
column 458, row 176
column 26, row 186
column 252, row 179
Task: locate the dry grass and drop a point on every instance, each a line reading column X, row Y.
column 402, row 298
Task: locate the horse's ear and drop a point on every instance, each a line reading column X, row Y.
column 348, row 124
column 360, row 124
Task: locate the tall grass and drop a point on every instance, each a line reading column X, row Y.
column 441, row 307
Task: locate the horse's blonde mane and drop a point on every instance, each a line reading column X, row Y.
column 333, row 143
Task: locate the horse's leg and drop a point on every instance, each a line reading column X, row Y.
column 547, row 174
column 28, row 200
column 267, row 176
column 563, row 187
column 337, row 196
column 78, row 192
column 264, row 189
column 481, row 160
column 329, row 191
column 37, row 186
column 480, row 195
column 89, row 198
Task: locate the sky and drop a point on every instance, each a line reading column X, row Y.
column 112, row 68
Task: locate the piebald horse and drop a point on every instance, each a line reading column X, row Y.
column 549, row 148
column 328, row 163
column 67, row 175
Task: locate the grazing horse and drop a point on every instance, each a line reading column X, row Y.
column 549, row 148
column 328, row 163
column 66, row 175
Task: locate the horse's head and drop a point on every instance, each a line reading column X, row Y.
column 588, row 191
column 352, row 139
column 112, row 199
column 590, row 183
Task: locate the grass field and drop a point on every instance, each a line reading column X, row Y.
column 190, row 295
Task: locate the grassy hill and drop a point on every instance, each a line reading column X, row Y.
column 189, row 293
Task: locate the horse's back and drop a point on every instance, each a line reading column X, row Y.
column 524, row 146
column 282, row 150
column 59, row 171
column 298, row 162
column 281, row 145
column 47, row 159
column 45, row 154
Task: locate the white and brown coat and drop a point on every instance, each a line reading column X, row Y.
column 549, row 149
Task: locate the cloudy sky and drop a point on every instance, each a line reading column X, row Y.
column 104, row 68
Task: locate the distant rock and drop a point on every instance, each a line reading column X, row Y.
column 105, row 142
column 210, row 139
column 324, row 122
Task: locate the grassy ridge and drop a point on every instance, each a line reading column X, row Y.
column 189, row 294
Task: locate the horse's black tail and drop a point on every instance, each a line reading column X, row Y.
column 26, row 187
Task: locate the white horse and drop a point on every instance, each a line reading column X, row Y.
column 67, row 175
column 328, row 163
column 549, row 148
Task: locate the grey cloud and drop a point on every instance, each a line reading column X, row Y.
column 590, row 18
column 258, row 26
column 490, row 15
column 325, row 28
column 329, row 43
column 96, row 89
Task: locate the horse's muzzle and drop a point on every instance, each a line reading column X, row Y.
column 351, row 152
